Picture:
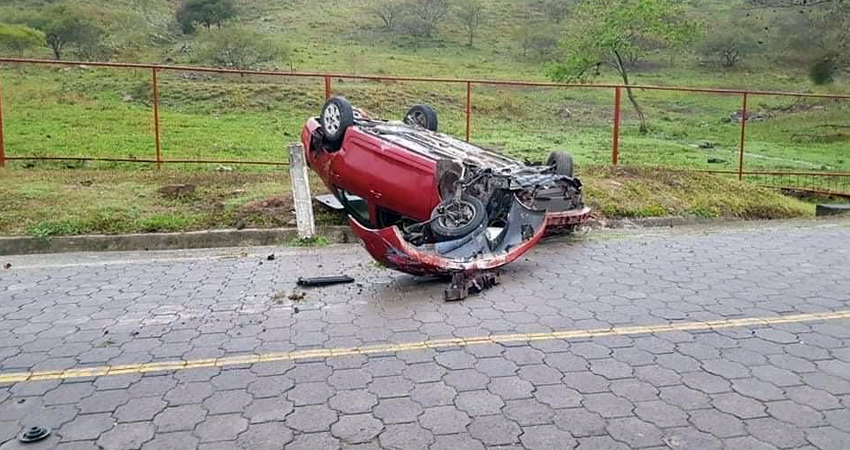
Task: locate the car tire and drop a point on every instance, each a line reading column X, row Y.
column 422, row 116
column 337, row 116
column 445, row 229
column 563, row 163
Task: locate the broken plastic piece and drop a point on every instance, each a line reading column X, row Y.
column 463, row 284
column 324, row 281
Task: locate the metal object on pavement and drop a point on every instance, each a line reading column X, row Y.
column 34, row 434
column 832, row 210
column 464, row 283
column 324, row 281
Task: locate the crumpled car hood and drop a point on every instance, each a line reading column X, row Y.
column 472, row 253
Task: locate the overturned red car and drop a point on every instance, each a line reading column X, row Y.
column 425, row 203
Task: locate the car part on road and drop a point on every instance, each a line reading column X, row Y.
column 324, row 281
column 463, row 284
column 422, row 116
column 34, row 434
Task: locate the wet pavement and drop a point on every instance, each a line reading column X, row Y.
column 733, row 337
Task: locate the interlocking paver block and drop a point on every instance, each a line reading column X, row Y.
column 179, row 418
column 397, row 410
column 433, row 394
column 579, row 422
column 546, row 437
column 224, row 427
column 309, row 419
column 444, row 420
column 126, row 436
column 407, row 436
column 314, row 441
column 139, row 409
column 172, row 441
column 494, row 430
column 310, row 393
column 635, row 432
column 510, row 388
column 87, row 427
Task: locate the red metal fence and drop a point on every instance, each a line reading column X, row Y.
column 746, row 95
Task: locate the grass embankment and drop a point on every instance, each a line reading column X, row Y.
column 52, row 202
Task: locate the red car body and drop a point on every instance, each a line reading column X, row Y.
column 394, row 175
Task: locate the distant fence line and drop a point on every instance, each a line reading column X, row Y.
column 840, row 181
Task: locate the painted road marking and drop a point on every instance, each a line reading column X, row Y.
column 322, row 353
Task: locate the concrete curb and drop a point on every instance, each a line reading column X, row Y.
column 165, row 241
column 22, row 245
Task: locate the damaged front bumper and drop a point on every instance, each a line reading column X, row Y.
column 480, row 251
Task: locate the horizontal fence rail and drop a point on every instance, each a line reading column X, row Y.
column 764, row 177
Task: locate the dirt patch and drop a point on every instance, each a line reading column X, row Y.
column 276, row 211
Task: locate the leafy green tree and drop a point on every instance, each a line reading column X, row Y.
column 66, row 27
column 471, row 14
column 204, row 12
column 728, row 47
column 605, row 33
column 17, row 39
column 241, row 48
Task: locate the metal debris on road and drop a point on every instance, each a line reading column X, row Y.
column 324, row 281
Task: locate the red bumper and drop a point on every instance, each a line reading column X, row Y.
column 388, row 247
column 567, row 218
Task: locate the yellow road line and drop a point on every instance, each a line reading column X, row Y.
column 165, row 366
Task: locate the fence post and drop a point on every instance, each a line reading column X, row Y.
column 156, row 118
column 301, row 192
column 468, row 110
column 743, row 137
column 615, row 146
column 327, row 88
column 2, row 143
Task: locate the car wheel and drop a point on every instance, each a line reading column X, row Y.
column 422, row 116
column 563, row 163
column 453, row 219
column 337, row 117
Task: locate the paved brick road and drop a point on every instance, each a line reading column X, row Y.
column 757, row 386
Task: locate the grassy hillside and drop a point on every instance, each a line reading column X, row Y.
column 85, row 111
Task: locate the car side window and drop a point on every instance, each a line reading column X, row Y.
column 354, row 205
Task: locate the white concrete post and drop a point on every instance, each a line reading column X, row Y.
column 301, row 192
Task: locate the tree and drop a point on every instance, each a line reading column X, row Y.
column 66, row 27
column 604, row 32
column 728, row 47
column 17, row 39
column 537, row 43
column 241, row 48
column 470, row 13
column 204, row 12
column 423, row 16
column 388, row 12
column 557, row 10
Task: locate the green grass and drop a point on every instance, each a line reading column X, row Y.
column 55, row 202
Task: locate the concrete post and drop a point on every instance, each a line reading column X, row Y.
column 301, row 192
